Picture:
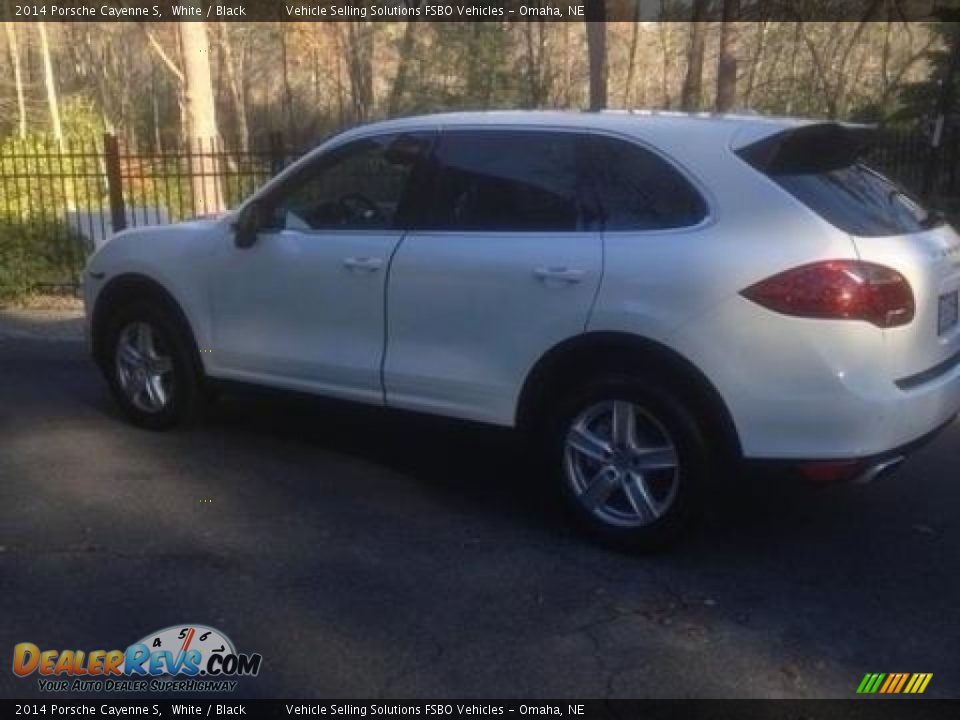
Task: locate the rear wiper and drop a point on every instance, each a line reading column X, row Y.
column 934, row 218
column 931, row 218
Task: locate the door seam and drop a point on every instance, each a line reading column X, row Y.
column 386, row 317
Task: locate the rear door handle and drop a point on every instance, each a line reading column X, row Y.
column 561, row 274
column 363, row 264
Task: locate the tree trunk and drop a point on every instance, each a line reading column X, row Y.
column 794, row 52
column 632, row 54
column 201, row 116
column 533, row 70
column 565, row 93
column 727, row 64
column 403, row 63
column 538, row 79
column 17, row 78
column 755, row 63
column 359, row 53
column 597, row 52
column 287, row 88
column 690, row 98
column 235, row 81
column 663, row 30
column 51, row 84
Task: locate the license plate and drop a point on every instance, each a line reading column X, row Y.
column 947, row 315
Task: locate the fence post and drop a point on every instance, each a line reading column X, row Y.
column 276, row 153
column 111, row 157
column 954, row 161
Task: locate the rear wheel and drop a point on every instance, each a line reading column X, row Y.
column 149, row 367
column 630, row 460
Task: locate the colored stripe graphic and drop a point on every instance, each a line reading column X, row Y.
column 894, row 683
column 891, row 680
column 870, row 683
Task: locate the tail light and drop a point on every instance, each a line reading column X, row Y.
column 838, row 290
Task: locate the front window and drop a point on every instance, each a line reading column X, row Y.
column 359, row 186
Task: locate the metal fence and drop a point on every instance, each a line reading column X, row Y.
column 58, row 202
column 929, row 173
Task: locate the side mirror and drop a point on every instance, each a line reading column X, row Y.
column 246, row 225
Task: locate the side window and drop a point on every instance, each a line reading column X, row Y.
column 506, row 180
column 639, row 190
column 359, row 186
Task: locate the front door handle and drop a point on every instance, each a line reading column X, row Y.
column 363, row 264
column 561, row 274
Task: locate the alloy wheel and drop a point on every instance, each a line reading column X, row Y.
column 621, row 464
column 143, row 367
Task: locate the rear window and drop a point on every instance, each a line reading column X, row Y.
column 820, row 165
column 507, row 181
column 858, row 200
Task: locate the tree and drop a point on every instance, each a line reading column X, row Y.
column 632, row 54
column 234, row 71
column 920, row 98
column 199, row 113
column 538, row 74
column 50, row 82
column 693, row 82
column 596, row 16
column 832, row 60
column 14, row 49
column 357, row 43
column 404, row 60
column 339, row 73
column 727, row 63
column 755, row 60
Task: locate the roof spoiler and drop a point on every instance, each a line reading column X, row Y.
column 807, row 149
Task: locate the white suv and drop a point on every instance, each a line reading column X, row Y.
column 654, row 297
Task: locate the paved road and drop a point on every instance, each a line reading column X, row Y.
column 366, row 554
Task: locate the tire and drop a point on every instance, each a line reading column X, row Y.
column 640, row 502
column 172, row 361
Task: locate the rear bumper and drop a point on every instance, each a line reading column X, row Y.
column 816, row 389
column 860, row 470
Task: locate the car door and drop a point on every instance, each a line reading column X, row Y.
column 303, row 306
column 504, row 264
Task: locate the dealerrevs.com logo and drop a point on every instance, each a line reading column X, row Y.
column 180, row 658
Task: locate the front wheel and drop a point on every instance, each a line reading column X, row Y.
column 630, row 460
column 149, row 368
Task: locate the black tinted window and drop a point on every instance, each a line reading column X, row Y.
column 857, row 200
column 507, row 180
column 639, row 190
column 360, row 185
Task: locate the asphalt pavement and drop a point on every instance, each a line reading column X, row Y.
column 372, row 554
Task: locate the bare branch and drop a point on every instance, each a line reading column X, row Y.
column 167, row 60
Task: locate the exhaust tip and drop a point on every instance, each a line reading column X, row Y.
column 879, row 469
